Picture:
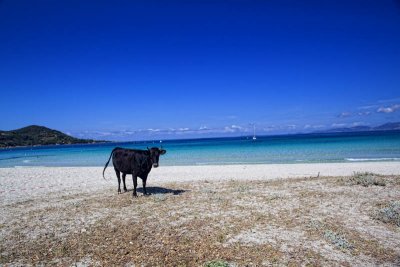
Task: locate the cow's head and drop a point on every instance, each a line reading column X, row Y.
column 155, row 153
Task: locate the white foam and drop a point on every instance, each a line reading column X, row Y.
column 20, row 166
column 372, row 159
column 229, row 163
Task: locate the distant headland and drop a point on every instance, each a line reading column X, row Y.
column 35, row 135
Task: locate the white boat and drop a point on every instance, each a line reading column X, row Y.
column 254, row 132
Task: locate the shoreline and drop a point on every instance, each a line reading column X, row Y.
column 395, row 160
column 20, row 184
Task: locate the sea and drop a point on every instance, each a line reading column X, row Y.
column 301, row 148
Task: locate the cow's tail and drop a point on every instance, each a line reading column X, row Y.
column 105, row 167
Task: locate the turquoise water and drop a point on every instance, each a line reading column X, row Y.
column 342, row 147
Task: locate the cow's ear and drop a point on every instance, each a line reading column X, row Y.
column 163, row 151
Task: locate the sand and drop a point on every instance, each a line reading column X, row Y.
column 247, row 215
column 21, row 184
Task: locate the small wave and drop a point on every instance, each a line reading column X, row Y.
column 372, row 159
column 26, row 161
column 22, row 167
column 19, row 157
column 232, row 163
column 220, row 163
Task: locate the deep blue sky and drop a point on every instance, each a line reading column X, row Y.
column 115, row 69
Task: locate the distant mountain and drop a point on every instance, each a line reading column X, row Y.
column 38, row 135
column 391, row 126
column 350, row 129
column 388, row 126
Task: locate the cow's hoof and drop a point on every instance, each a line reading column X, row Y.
column 147, row 194
column 134, row 196
column 125, row 190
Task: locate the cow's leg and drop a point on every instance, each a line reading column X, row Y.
column 134, row 179
column 123, row 180
column 119, row 180
column 144, row 185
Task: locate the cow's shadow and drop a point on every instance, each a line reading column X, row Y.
column 156, row 190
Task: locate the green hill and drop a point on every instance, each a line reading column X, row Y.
column 38, row 135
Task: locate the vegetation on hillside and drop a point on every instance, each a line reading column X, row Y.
column 38, row 135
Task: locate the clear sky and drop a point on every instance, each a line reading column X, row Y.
column 128, row 70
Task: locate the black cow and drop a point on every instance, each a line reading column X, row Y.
column 136, row 162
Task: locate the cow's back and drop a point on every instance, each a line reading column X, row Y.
column 129, row 160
